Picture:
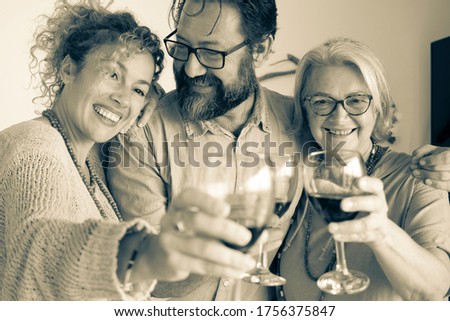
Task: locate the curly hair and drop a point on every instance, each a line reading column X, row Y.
column 76, row 30
column 344, row 51
column 258, row 17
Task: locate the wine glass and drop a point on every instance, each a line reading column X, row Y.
column 251, row 197
column 286, row 178
column 329, row 177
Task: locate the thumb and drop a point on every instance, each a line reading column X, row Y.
column 422, row 151
column 371, row 185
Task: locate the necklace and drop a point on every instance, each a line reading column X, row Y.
column 375, row 155
column 94, row 179
column 306, row 255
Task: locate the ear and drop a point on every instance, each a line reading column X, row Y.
column 68, row 70
column 262, row 50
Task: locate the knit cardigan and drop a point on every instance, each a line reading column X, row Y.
column 54, row 243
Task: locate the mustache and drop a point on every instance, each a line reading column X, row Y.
column 203, row 80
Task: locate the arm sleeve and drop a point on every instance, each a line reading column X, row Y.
column 52, row 253
column 428, row 218
column 136, row 177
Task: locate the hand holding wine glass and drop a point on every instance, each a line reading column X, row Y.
column 250, row 197
column 329, row 178
column 191, row 239
column 371, row 229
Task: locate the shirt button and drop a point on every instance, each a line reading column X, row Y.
column 226, row 283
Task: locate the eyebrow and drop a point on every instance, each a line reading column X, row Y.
column 140, row 81
column 204, row 43
column 320, row 93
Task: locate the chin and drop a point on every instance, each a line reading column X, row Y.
column 104, row 137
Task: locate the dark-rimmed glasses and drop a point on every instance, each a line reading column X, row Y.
column 354, row 105
column 208, row 58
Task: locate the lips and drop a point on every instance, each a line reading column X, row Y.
column 106, row 113
column 340, row 132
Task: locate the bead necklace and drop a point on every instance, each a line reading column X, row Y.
column 94, row 179
column 375, row 155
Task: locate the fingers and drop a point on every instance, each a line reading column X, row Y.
column 190, row 198
column 422, row 151
column 369, row 203
column 432, row 164
column 369, row 229
column 441, row 173
column 160, row 92
column 145, row 115
column 444, row 185
column 154, row 94
column 204, row 256
column 217, row 227
column 432, row 168
column 195, row 213
column 373, row 201
column 435, row 156
column 371, row 185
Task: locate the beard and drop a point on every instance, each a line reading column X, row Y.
column 197, row 106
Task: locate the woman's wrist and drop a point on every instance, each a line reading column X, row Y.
column 135, row 279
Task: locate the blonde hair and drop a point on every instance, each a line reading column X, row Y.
column 344, row 51
column 76, row 30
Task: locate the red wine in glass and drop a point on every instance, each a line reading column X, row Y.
column 328, row 205
column 281, row 207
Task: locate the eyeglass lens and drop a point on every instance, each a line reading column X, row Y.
column 355, row 105
column 208, row 58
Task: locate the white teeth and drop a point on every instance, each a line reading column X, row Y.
column 341, row 132
column 107, row 114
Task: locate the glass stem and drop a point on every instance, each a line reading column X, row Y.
column 341, row 262
column 262, row 258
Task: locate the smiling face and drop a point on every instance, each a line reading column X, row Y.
column 209, row 93
column 339, row 82
column 105, row 94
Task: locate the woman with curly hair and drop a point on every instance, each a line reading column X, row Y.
column 62, row 236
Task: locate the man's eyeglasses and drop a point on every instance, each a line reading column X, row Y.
column 354, row 105
column 209, row 58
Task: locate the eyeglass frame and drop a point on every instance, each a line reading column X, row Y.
column 194, row 50
column 337, row 102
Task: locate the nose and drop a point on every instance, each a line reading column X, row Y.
column 340, row 112
column 121, row 96
column 193, row 67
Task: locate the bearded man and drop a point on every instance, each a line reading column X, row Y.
column 219, row 115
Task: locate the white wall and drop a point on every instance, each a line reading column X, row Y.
column 398, row 31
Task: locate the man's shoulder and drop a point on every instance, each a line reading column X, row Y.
column 275, row 97
column 279, row 106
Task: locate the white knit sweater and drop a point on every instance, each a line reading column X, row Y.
column 54, row 244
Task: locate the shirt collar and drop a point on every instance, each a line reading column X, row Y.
column 259, row 117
